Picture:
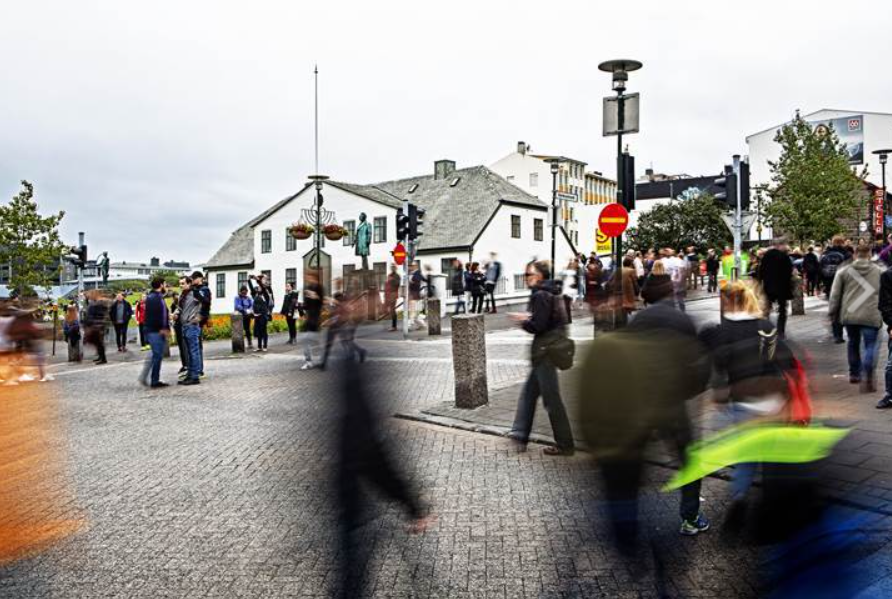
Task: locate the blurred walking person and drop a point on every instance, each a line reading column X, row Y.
column 854, row 302
column 546, row 321
column 140, row 316
column 832, row 260
column 244, row 305
column 71, row 329
column 157, row 327
column 121, row 312
column 811, row 267
column 712, row 271
column 392, row 294
column 289, row 307
column 312, row 313
column 493, row 274
column 263, row 307
column 96, row 324
column 775, row 273
column 458, row 287
column 478, row 280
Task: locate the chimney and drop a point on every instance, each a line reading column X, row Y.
column 521, row 147
column 443, row 168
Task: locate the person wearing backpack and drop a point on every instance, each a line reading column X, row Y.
column 811, row 266
column 831, row 261
column 546, row 321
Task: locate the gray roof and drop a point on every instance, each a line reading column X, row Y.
column 455, row 216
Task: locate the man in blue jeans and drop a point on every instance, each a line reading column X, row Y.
column 191, row 302
column 157, row 329
column 854, row 300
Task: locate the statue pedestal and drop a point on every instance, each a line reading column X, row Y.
column 798, row 297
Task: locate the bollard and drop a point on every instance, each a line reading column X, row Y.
column 74, row 352
column 238, row 333
column 469, row 360
column 798, row 298
column 433, row 316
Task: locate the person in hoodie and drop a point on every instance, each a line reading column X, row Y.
column 775, row 272
column 831, row 262
column 854, row 302
column 546, row 314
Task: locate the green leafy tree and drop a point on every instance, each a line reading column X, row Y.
column 29, row 243
column 813, row 188
column 693, row 219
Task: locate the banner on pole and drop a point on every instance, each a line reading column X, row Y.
column 603, row 243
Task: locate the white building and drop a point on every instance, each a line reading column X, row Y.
column 469, row 213
column 532, row 173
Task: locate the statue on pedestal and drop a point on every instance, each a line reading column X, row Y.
column 363, row 240
column 102, row 265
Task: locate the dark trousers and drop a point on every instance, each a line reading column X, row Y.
column 490, row 297
column 781, row 314
column 568, row 304
column 246, row 324
column 391, row 308
column 142, row 336
column 292, row 329
column 260, row 331
column 543, row 380
column 811, row 283
column 181, row 346
column 476, row 303
column 121, row 335
column 713, row 284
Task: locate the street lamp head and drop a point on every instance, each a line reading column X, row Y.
column 883, row 154
column 317, row 180
column 620, row 68
column 555, row 164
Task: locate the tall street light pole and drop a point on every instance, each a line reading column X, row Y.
column 620, row 69
column 317, row 239
column 884, row 157
column 554, row 212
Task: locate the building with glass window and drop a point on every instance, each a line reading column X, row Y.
column 469, row 213
column 582, row 193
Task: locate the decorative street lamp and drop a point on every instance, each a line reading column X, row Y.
column 554, row 162
column 319, row 218
column 617, row 122
column 884, row 157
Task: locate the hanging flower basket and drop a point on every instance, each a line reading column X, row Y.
column 333, row 232
column 302, row 231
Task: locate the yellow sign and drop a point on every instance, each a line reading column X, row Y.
column 603, row 244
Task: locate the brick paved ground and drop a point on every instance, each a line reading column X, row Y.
column 222, row 490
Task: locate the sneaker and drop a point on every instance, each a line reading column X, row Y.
column 885, row 403
column 186, row 382
column 264, row 350
column 854, row 379
column 26, row 378
column 307, row 366
column 691, row 528
column 145, row 348
column 47, row 378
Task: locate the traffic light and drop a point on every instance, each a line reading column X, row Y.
column 416, row 221
column 727, row 185
column 402, row 224
column 79, row 255
column 744, row 185
column 628, row 168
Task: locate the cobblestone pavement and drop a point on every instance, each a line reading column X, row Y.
column 222, row 490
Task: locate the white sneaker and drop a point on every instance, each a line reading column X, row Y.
column 47, row 378
column 26, row 378
column 307, row 366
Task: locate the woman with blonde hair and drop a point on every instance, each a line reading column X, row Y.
column 751, row 358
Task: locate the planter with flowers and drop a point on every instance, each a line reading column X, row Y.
column 302, row 231
column 333, row 232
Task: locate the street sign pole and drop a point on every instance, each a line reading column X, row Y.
column 79, row 301
column 618, row 312
column 405, row 242
column 738, row 223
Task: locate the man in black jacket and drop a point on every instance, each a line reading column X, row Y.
column 885, row 305
column 120, row 314
column 289, row 307
column 776, row 276
column 157, row 327
column 547, row 314
column 831, row 261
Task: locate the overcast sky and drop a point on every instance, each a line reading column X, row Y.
column 159, row 127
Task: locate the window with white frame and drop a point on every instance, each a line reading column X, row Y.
column 534, row 179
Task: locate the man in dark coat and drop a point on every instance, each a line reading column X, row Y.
column 776, row 276
column 120, row 314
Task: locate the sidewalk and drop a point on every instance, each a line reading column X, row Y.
column 859, row 471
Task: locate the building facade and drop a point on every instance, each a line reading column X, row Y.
column 591, row 190
column 470, row 213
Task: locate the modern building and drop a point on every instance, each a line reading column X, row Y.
column 590, row 189
column 861, row 131
column 470, row 212
column 123, row 271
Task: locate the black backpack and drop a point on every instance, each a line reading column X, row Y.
column 830, row 263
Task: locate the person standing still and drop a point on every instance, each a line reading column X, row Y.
column 712, row 271
column 263, row 307
column 546, row 315
column 478, row 280
column 776, row 276
column 458, row 287
column 244, row 305
column 140, row 315
column 289, row 306
column 182, row 348
column 190, row 320
column 121, row 312
column 493, row 274
column 203, row 295
column 157, row 327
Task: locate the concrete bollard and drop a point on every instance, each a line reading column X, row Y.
column 74, row 352
column 238, row 333
column 433, row 316
column 798, row 297
column 469, row 361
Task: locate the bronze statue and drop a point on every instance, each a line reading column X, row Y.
column 363, row 240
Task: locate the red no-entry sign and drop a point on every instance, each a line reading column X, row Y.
column 399, row 254
column 613, row 220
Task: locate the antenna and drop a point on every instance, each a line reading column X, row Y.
column 316, row 115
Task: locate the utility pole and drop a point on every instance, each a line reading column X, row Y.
column 738, row 220
column 410, row 250
column 81, row 308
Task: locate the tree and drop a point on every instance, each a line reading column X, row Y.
column 693, row 218
column 29, row 243
column 812, row 185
